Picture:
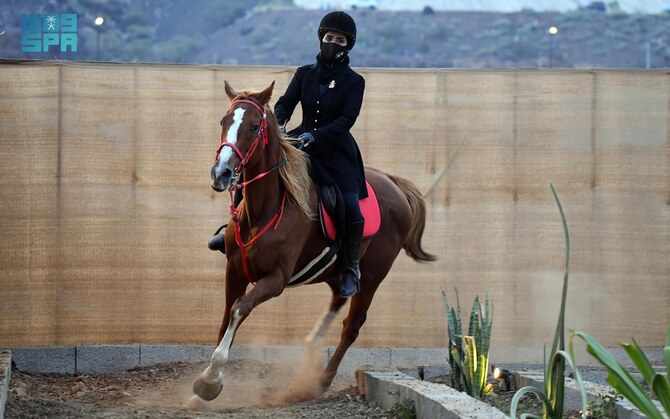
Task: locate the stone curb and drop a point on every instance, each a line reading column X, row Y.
column 625, row 409
column 71, row 359
column 117, row 358
column 5, row 376
column 59, row 359
column 386, row 388
column 572, row 399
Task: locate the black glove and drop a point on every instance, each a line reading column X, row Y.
column 306, row 139
column 282, row 129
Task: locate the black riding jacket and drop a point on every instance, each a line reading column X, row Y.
column 328, row 112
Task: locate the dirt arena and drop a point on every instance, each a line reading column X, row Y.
column 252, row 389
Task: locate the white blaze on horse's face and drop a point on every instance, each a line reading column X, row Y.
column 222, row 166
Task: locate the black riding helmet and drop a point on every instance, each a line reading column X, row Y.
column 340, row 22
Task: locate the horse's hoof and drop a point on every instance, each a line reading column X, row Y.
column 205, row 390
column 195, row 403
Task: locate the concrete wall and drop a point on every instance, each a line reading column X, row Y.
column 106, row 206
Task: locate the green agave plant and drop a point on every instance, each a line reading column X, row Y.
column 552, row 395
column 469, row 363
column 624, row 383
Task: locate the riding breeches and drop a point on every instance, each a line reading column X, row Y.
column 352, row 210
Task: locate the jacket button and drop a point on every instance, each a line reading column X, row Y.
column 316, row 120
column 317, row 102
column 317, row 111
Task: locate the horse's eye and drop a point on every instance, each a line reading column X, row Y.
column 254, row 128
column 221, row 122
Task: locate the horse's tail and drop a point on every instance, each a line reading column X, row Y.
column 412, row 244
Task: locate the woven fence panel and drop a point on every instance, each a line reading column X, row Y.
column 106, row 205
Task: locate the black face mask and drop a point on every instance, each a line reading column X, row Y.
column 332, row 52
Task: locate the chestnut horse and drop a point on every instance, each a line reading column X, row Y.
column 274, row 234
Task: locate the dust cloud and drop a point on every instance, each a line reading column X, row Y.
column 292, row 376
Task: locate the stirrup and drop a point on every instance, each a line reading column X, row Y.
column 350, row 281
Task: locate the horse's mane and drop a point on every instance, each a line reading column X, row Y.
column 295, row 173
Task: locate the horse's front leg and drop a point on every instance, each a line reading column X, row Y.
column 210, row 383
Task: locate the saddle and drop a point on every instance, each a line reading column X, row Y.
column 331, row 212
column 331, row 216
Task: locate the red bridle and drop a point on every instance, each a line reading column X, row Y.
column 244, row 159
column 262, row 133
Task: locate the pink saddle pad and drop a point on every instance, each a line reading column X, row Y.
column 370, row 210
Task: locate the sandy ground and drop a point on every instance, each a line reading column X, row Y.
column 252, row 389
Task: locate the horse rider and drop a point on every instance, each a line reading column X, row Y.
column 331, row 95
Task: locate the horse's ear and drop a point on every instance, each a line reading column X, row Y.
column 232, row 94
column 265, row 95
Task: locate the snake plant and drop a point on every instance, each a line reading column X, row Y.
column 469, row 354
column 552, row 396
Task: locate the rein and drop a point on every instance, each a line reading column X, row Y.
column 276, row 219
column 235, row 185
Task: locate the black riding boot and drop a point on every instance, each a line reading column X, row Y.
column 351, row 275
column 218, row 242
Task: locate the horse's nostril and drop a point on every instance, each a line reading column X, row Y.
column 226, row 173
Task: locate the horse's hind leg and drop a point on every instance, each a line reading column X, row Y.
column 315, row 337
column 352, row 325
column 306, row 380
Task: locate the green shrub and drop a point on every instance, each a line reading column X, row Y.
column 605, row 406
column 403, row 410
column 221, row 14
column 390, row 32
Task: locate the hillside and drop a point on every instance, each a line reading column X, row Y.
column 505, row 6
column 272, row 32
column 450, row 39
